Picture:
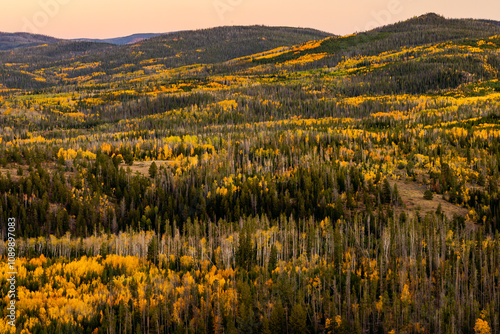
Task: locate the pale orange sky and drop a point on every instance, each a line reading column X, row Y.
column 114, row 18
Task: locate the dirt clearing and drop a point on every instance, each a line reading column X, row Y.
column 412, row 195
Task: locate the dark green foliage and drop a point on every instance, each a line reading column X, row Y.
column 273, row 259
column 297, row 323
column 277, row 322
column 245, row 255
column 428, row 195
column 153, row 251
column 153, row 170
column 386, row 192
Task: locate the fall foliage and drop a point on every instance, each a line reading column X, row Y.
column 279, row 192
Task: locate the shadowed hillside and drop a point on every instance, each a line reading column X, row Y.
column 17, row 40
column 171, row 50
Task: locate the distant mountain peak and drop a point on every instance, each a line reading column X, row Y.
column 431, row 17
column 450, row 28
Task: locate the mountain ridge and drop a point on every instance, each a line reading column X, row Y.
column 130, row 39
column 237, row 48
column 15, row 40
column 10, row 41
column 419, row 30
column 177, row 49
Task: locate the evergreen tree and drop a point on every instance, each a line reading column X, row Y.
column 297, row 322
column 277, row 322
column 245, row 251
column 273, row 259
column 153, row 170
column 153, row 251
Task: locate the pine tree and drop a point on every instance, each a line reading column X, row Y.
column 297, row 322
column 153, row 250
column 244, row 254
column 153, row 170
column 386, row 191
column 277, row 323
column 273, row 259
column 428, row 195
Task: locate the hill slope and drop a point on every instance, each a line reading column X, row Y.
column 10, row 41
column 166, row 51
column 396, row 55
column 420, row 55
column 422, row 30
column 224, row 43
column 131, row 39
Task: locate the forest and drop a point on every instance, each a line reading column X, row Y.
column 304, row 183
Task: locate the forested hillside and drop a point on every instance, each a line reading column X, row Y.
column 83, row 60
column 291, row 183
column 131, row 39
column 10, row 41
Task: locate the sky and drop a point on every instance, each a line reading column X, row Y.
column 115, row 18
